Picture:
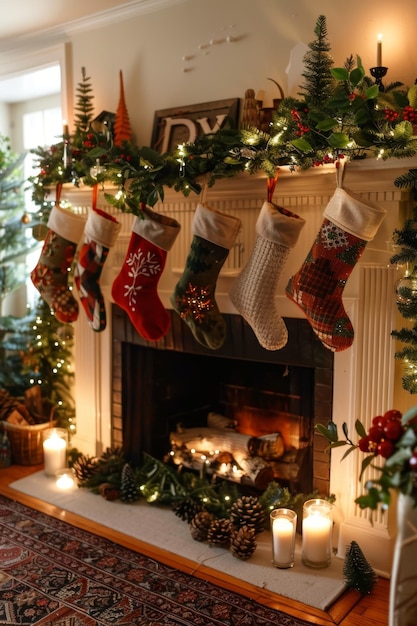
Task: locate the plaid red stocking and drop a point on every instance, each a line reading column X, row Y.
column 317, row 288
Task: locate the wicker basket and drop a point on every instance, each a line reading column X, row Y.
column 26, row 442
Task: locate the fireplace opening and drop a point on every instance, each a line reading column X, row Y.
column 164, row 391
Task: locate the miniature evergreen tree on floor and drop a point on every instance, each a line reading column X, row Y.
column 358, row 573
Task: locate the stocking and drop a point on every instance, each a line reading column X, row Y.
column 214, row 233
column 317, row 288
column 253, row 293
column 50, row 276
column 100, row 235
column 135, row 288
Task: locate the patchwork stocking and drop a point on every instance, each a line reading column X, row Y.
column 100, row 235
column 214, row 233
column 50, row 276
column 317, row 288
column 253, row 292
column 135, row 288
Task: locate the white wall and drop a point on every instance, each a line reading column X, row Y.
column 149, row 50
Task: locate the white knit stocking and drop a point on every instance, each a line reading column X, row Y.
column 253, row 292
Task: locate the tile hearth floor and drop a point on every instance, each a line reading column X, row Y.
column 349, row 610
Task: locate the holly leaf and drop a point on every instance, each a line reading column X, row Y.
column 360, row 429
column 372, row 92
column 302, row 145
column 365, row 463
column 339, row 73
column 338, row 140
column 330, row 432
column 356, row 75
column 327, row 124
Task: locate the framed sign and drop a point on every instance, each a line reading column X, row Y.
column 184, row 124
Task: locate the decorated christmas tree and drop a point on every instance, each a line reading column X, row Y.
column 406, row 295
column 47, row 362
column 16, row 241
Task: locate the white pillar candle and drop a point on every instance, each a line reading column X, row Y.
column 317, row 533
column 54, row 450
column 283, row 527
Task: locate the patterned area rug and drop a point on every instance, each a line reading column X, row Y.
column 53, row 574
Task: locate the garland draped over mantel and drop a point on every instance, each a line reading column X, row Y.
column 340, row 114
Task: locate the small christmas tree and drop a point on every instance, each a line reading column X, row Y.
column 358, row 573
column 318, row 63
column 47, row 363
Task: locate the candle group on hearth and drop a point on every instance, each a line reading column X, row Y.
column 283, row 528
column 55, row 442
column 317, row 533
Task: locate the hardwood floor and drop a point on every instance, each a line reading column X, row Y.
column 351, row 609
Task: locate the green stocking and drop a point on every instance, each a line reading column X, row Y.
column 214, row 233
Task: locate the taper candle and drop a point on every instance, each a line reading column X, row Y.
column 379, row 51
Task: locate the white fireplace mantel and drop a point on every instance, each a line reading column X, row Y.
column 367, row 379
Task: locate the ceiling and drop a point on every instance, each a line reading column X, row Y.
column 23, row 20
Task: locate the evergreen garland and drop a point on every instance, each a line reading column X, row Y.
column 357, row 571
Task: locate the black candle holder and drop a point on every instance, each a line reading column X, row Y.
column 378, row 73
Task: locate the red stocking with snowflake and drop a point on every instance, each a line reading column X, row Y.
column 135, row 288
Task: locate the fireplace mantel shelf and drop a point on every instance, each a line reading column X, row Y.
column 367, row 175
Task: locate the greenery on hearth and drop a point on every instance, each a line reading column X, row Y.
column 340, row 113
column 219, row 513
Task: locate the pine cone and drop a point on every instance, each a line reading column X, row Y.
column 219, row 532
column 248, row 511
column 129, row 491
column 187, row 509
column 84, row 468
column 200, row 524
column 111, row 453
column 243, row 543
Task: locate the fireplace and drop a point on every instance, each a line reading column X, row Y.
column 158, row 386
column 364, row 381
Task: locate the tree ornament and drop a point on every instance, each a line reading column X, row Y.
column 219, row 532
column 187, row 509
column 248, row 511
column 200, row 524
column 122, row 129
column 26, row 218
column 243, row 543
column 358, row 573
column 406, row 290
column 129, row 491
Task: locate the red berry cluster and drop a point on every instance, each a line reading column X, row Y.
column 410, row 114
column 391, row 115
column 382, row 436
column 302, row 128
